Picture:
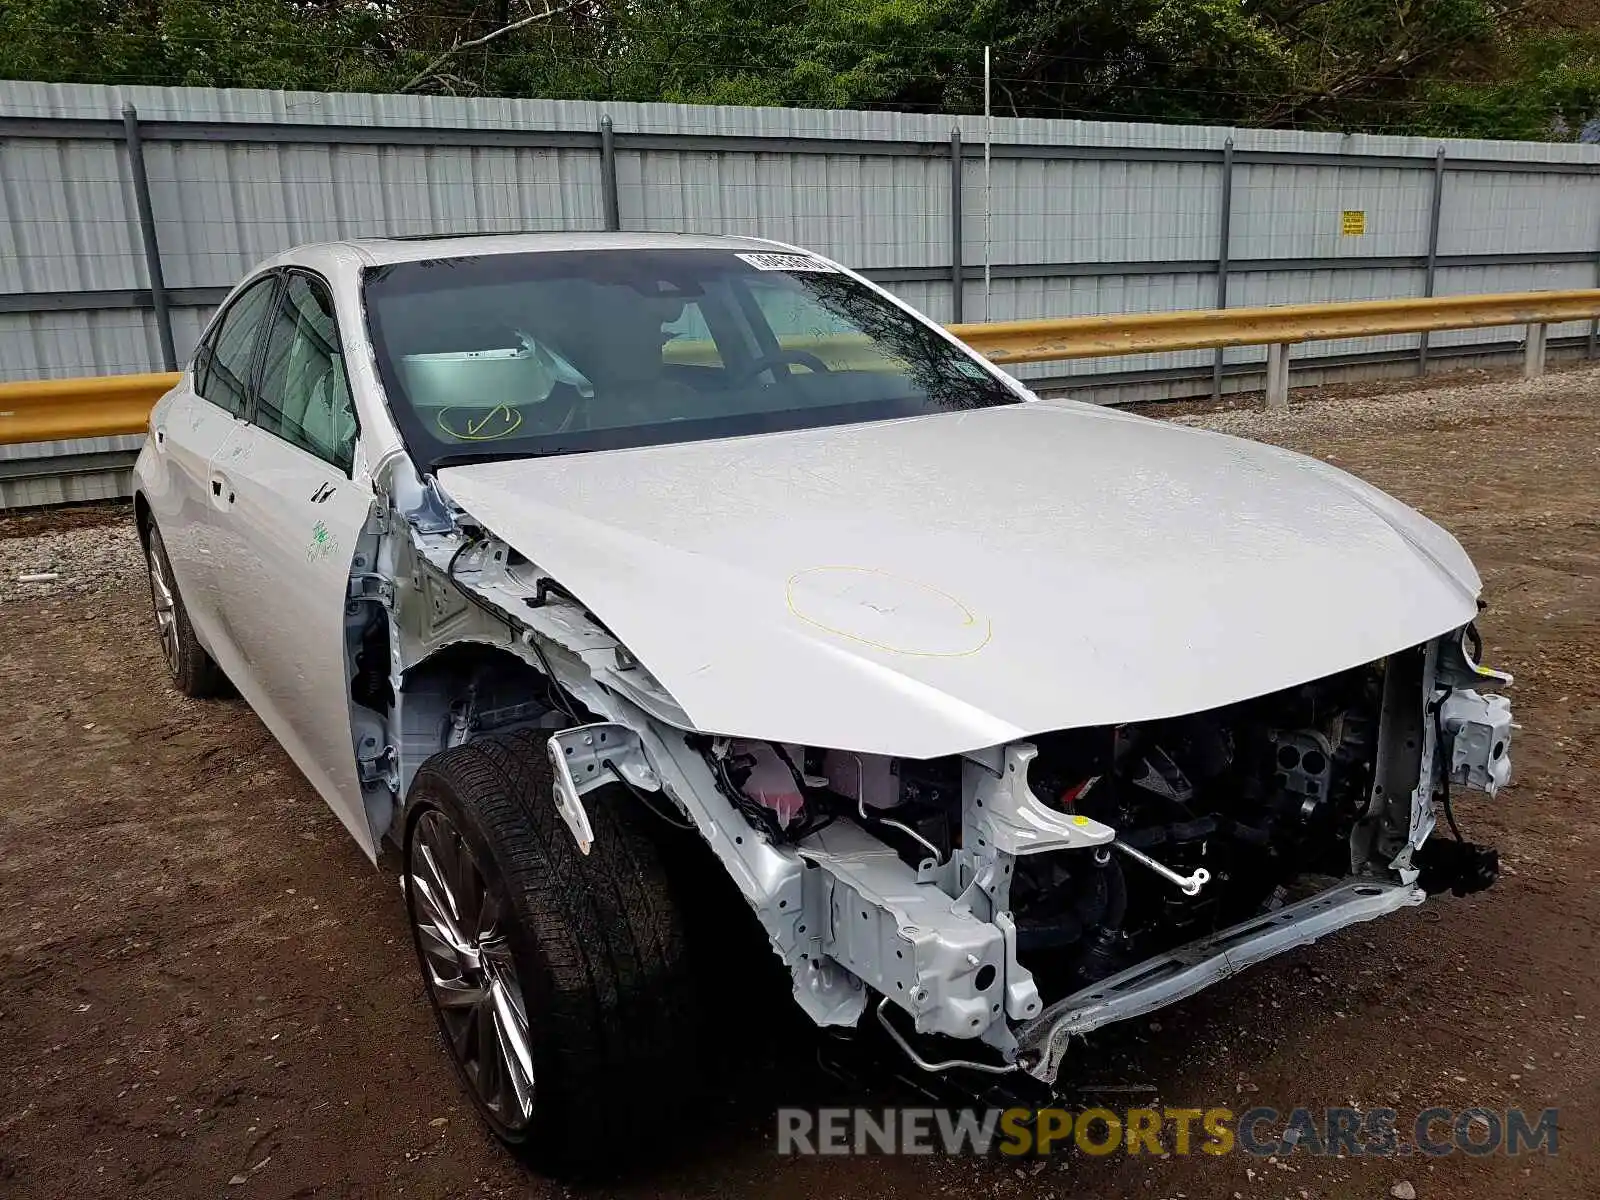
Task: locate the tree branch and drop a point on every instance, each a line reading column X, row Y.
column 1418, row 46
column 550, row 10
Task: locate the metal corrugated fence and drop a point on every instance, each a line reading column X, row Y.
column 1080, row 217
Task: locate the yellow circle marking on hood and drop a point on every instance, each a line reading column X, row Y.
column 887, row 612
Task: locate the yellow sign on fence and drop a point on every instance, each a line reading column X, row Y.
column 1353, row 223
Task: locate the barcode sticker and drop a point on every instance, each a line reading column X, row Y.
column 786, row 262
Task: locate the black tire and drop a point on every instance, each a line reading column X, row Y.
column 596, row 944
column 194, row 672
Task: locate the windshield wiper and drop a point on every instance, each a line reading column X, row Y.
column 467, row 458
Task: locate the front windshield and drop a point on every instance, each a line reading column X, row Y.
column 508, row 355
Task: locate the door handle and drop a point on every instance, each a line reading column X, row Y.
column 221, row 492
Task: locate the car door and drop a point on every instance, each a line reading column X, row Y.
column 294, row 515
column 190, row 427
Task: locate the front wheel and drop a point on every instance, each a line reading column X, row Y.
column 558, row 979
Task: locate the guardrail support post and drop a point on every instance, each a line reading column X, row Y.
column 1224, row 236
column 147, row 233
column 1533, row 361
column 608, row 174
column 1594, row 322
column 956, row 268
column 1278, row 376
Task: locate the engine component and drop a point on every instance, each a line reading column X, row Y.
column 1063, row 899
column 1218, row 812
column 1189, row 885
column 766, row 778
column 869, row 779
column 1155, row 772
column 1305, row 762
column 1445, row 864
column 1479, row 730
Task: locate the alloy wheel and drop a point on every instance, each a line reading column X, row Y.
column 162, row 596
column 461, row 926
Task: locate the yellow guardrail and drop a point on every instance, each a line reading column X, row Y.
column 58, row 409
column 838, row 351
column 1203, row 329
column 53, row 410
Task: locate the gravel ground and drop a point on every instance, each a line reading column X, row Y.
column 205, row 989
column 1403, row 406
column 91, row 560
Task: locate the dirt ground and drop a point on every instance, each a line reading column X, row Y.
column 206, row 990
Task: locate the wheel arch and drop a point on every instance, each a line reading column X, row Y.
column 462, row 691
column 142, row 517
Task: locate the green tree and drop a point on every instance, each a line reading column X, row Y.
column 1434, row 66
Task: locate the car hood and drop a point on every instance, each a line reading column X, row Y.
column 938, row 584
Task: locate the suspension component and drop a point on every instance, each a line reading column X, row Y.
column 1189, row 885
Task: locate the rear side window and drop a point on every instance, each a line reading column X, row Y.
column 305, row 396
column 222, row 365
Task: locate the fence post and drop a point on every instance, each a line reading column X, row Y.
column 1594, row 324
column 1433, row 251
column 1277, row 376
column 957, row 288
column 1224, row 235
column 1533, row 359
column 608, row 174
column 147, row 234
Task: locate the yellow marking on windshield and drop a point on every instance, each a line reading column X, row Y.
column 482, row 429
column 474, row 429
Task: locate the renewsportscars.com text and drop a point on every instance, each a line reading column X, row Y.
column 1023, row 1132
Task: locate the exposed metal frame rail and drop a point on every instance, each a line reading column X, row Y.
column 61, row 409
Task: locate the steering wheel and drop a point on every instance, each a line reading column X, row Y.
column 767, row 361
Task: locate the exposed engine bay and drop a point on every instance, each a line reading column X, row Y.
column 1186, row 828
column 993, row 904
column 1245, row 808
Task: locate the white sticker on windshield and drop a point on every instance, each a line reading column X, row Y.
column 786, row 262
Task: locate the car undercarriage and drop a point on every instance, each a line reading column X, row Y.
column 988, row 905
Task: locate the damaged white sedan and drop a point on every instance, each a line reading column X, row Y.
column 1007, row 718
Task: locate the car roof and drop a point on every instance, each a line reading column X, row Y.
column 376, row 251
